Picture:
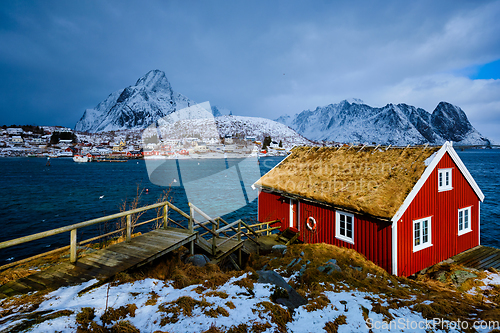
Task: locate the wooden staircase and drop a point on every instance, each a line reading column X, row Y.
column 219, row 240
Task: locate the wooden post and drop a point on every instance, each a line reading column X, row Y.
column 165, row 216
column 191, row 228
column 214, row 240
column 191, row 219
column 239, row 240
column 129, row 228
column 72, row 250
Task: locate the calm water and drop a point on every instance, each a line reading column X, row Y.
column 35, row 197
column 484, row 167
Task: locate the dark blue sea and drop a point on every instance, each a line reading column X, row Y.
column 35, row 197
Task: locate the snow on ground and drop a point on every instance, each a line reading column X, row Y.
column 148, row 317
column 491, row 280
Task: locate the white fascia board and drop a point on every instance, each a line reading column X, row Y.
column 395, row 249
column 461, row 166
column 420, row 183
column 479, row 223
column 446, row 148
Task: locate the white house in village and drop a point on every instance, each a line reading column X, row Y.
column 274, row 145
column 14, row 130
column 17, row 140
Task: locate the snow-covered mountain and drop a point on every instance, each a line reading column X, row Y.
column 222, row 126
column 137, row 106
column 152, row 100
column 400, row 124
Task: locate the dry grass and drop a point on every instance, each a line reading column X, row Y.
column 333, row 327
column 172, row 268
column 278, row 314
column 84, row 319
column 111, row 314
column 375, row 181
column 425, row 294
column 380, row 309
column 22, row 304
column 86, row 323
column 183, row 305
column 316, row 255
column 153, row 299
column 124, row 326
column 219, row 294
column 246, row 283
column 441, row 274
column 317, row 303
column 214, row 313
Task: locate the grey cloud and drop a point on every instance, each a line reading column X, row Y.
column 255, row 58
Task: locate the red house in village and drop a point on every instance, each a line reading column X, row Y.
column 405, row 209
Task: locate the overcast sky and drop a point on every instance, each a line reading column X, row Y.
column 256, row 58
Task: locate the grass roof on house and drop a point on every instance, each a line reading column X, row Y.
column 371, row 180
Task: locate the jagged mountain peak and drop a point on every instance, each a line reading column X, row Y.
column 154, row 80
column 136, row 106
column 396, row 124
column 354, row 101
column 448, row 118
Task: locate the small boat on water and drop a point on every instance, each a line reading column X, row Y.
column 80, row 158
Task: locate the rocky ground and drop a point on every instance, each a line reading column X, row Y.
column 299, row 288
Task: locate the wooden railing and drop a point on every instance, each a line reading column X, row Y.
column 265, row 227
column 213, row 226
column 220, row 226
column 74, row 228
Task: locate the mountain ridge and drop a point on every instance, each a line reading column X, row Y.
column 151, row 99
column 399, row 124
column 135, row 106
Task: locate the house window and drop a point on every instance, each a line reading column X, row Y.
column 422, row 234
column 444, row 179
column 344, row 223
column 464, row 220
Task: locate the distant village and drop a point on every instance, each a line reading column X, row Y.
column 56, row 141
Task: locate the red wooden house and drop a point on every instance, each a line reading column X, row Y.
column 405, row 209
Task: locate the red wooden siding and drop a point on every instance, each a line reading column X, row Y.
column 274, row 207
column 443, row 207
column 372, row 238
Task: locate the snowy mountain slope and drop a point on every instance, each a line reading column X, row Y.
column 259, row 128
column 236, row 126
column 137, row 106
column 152, row 102
column 400, row 124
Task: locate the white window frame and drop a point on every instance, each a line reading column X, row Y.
column 443, row 176
column 462, row 213
column 422, row 245
column 338, row 234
